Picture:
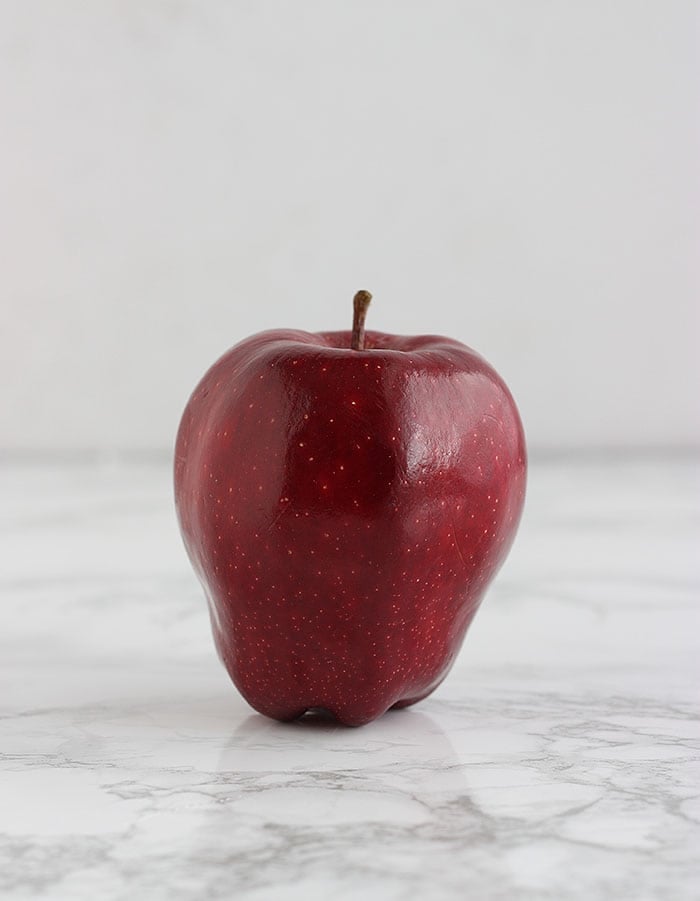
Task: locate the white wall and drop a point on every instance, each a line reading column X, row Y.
column 176, row 175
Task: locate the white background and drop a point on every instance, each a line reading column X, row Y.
column 176, row 175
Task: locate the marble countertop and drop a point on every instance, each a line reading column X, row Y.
column 560, row 759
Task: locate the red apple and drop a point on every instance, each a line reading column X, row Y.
column 345, row 499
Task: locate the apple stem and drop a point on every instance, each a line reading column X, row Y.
column 359, row 304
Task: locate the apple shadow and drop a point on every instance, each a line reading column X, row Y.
column 316, row 791
column 403, row 741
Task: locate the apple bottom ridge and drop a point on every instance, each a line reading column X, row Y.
column 354, row 704
column 335, row 713
column 348, row 701
column 345, row 712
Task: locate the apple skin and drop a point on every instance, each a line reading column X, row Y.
column 345, row 511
